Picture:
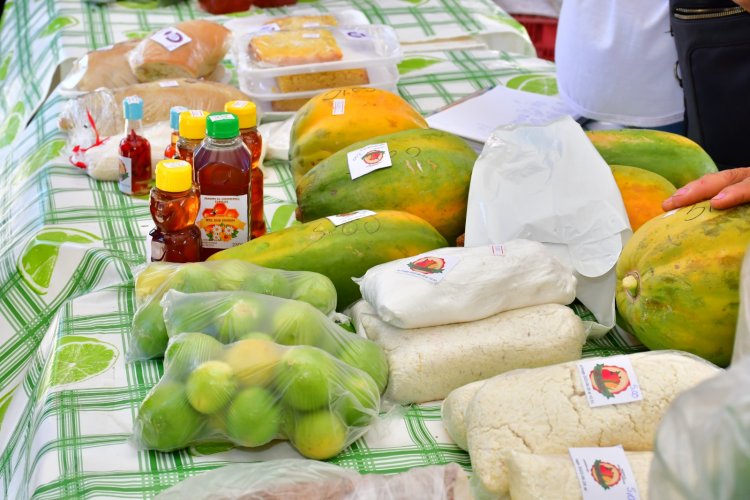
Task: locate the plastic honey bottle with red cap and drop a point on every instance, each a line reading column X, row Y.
column 222, row 169
column 174, row 208
column 248, row 117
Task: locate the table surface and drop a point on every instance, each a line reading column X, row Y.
column 62, row 439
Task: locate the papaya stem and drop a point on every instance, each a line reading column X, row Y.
column 630, row 283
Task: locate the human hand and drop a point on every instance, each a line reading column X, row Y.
column 726, row 189
column 745, row 4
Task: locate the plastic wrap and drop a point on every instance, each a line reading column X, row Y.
column 99, row 113
column 252, row 392
column 426, row 364
column 476, row 283
column 702, row 448
column 149, row 333
column 190, row 49
column 230, row 316
column 497, row 419
column 294, row 479
column 742, row 335
column 106, row 67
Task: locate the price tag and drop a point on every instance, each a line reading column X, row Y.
column 168, row 84
column 171, row 38
column 197, row 113
column 145, row 228
column 364, row 160
column 429, row 267
column 497, row 250
column 310, row 35
column 338, row 106
column 604, row 473
column 609, row 381
column 310, row 25
column 340, row 219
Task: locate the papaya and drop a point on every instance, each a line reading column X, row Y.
column 642, row 192
column 340, row 252
column 429, row 177
column 674, row 157
column 678, row 280
column 317, row 133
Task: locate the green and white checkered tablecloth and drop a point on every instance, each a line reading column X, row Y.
column 70, row 243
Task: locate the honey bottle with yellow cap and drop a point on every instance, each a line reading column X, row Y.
column 248, row 117
column 174, row 208
column 192, row 132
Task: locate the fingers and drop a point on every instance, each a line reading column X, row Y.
column 733, row 195
column 707, row 187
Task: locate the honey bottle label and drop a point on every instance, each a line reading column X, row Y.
column 223, row 221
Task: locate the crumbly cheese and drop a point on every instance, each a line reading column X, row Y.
column 453, row 411
column 426, row 364
column 544, row 410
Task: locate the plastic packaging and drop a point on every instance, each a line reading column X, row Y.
column 149, row 333
column 426, row 364
column 107, row 67
column 101, row 111
column 231, row 316
column 253, row 391
column 702, row 447
column 742, row 335
column 190, row 49
column 476, row 283
column 296, row 18
column 294, row 479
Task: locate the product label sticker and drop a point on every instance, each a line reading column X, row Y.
column 338, row 106
column 171, row 38
column 604, row 473
column 432, row 268
column 609, row 381
column 310, row 25
column 310, row 35
column 154, row 249
column 355, row 34
column 497, row 250
column 223, row 221
column 197, row 113
column 168, row 84
column 364, row 160
column 340, row 219
column 126, row 175
column 240, row 104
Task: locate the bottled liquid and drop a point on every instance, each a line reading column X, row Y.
column 135, row 151
column 174, row 122
column 174, row 207
column 225, row 6
column 222, row 169
column 192, row 132
column 247, row 115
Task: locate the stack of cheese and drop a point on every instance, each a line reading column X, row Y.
column 458, row 315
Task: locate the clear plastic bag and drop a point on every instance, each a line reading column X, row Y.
column 252, row 392
column 742, row 335
column 106, row 67
column 190, row 49
column 231, row 316
column 294, row 479
column 149, row 333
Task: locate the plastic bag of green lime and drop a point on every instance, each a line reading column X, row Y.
column 232, row 316
column 252, row 392
column 149, row 336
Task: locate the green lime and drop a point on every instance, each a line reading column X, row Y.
column 5, row 403
column 368, row 357
column 5, row 65
column 148, row 336
column 303, row 378
column 299, row 323
column 150, row 280
column 536, row 83
column 166, row 421
column 231, row 274
column 57, row 24
column 268, row 282
column 317, row 290
column 47, row 152
column 242, row 317
column 253, row 361
column 319, row 435
column 212, row 448
column 253, row 418
column 79, row 358
column 193, row 278
column 257, row 336
column 210, row 386
column 189, row 350
column 39, row 256
column 359, row 399
column 410, row 64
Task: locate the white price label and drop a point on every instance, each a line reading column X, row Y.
column 497, row 250
column 310, row 25
column 609, row 381
column 604, row 473
column 168, row 84
column 340, row 219
column 171, row 38
column 311, row 35
column 145, row 228
column 364, row 160
column 429, row 267
column 266, row 28
column 338, row 106
column 126, row 175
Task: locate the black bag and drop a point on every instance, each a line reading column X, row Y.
column 713, row 50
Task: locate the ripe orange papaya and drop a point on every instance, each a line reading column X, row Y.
column 642, row 192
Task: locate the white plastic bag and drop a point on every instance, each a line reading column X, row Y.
column 549, row 184
column 476, row 283
column 294, row 479
column 742, row 337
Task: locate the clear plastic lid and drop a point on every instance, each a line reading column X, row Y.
column 264, row 54
column 297, row 18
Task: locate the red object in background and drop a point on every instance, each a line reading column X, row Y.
column 273, row 3
column 542, row 31
column 225, row 6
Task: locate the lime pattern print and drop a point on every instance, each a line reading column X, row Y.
column 536, row 83
column 79, row 358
